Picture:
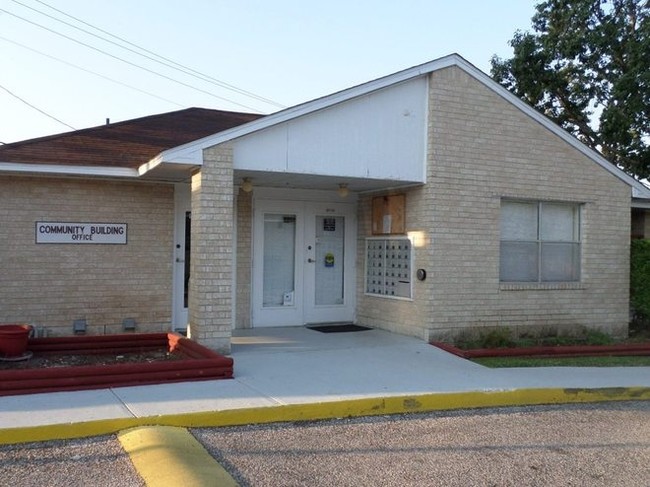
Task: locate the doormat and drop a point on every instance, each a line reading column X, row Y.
column 338, row 328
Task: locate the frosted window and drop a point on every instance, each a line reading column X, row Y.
column 519, row 261
column 279, row 259
column 560, row 262
column 559, row 222
column 330, row 256
column 518, row 221
column 540, row 242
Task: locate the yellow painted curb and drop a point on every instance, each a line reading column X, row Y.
column 168, row 456
column 334, row 409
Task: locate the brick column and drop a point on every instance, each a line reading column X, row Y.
column 211, row 276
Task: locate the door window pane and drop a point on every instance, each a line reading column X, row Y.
column 279, row 260
column 330, row 240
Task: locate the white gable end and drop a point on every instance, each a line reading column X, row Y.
column 380, row 135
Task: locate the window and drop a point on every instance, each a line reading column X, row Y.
column 388, row 267
column 540, row 241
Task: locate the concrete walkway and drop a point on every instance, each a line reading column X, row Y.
column 297, row 373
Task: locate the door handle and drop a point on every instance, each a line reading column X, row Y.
column 179, row 260
column 310, row 260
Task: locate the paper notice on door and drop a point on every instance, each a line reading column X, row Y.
column 387, row 223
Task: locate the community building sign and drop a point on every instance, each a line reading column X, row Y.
column 80, row 233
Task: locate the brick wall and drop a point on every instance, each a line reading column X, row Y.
column 400, row 316
column 52, row 285
column 481, row 149
column 211, row 268
column 244, row 259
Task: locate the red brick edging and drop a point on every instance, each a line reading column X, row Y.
column 199, row 363
column 549, row 351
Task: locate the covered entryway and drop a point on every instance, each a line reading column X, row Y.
column 303, row 262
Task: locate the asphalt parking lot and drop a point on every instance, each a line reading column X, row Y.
column 606, row 444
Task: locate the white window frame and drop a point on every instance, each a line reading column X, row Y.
column 409, row 271
column 539, row 241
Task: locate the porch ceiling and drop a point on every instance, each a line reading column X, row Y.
column 314, row 181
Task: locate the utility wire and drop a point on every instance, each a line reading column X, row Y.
column 89, row 71
column 127, row 62
column 165, row 61
column 36, row 108
column 198, row 74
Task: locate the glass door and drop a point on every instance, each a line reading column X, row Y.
column 329, row 272
column 303, row 263
column 278, row 265
column 182, row 250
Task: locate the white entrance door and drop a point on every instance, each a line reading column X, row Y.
column 304, row 256
column 182, row 244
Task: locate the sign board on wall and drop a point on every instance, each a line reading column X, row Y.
column 388, row 214
column 80, row 233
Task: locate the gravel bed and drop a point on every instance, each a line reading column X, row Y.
column 90, row 462
column 579, row 445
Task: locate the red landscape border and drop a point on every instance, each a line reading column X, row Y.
column 549, row 351
column 199, row 363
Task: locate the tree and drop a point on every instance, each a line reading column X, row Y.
column 586, row 65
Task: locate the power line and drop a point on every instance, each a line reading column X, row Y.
column 127, row 62
column 166, row 61
column 196, row 73
column 89, row 71
column 36, row 108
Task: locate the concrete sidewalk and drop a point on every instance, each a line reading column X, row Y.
column 296, row 373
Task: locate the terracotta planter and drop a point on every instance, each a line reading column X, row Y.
column 13, row 340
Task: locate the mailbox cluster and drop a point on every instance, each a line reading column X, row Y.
column 388, row 266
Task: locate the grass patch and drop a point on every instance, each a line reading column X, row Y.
column 601, row 361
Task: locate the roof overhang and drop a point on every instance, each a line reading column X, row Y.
column 67, row 170
column 641, row 203
column 177, row 164
column 152, row 171
column 319, row 182
column 192, row 153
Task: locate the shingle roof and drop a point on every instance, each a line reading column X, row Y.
column 127, row 144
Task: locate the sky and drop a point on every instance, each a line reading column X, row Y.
column 55, row 78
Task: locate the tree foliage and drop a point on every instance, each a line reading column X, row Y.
column 586, row 65
column 640, row 279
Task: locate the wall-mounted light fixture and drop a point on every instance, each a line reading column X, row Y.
column 247, row 185
column 343, row 190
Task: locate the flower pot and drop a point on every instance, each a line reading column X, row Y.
column 13, row 340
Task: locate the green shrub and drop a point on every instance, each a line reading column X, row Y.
column 596, row 337
column 640, row 279
column 497, row 338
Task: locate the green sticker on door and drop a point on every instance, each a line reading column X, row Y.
column 329, row 259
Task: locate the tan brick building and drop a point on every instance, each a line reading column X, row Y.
column 428, row 202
